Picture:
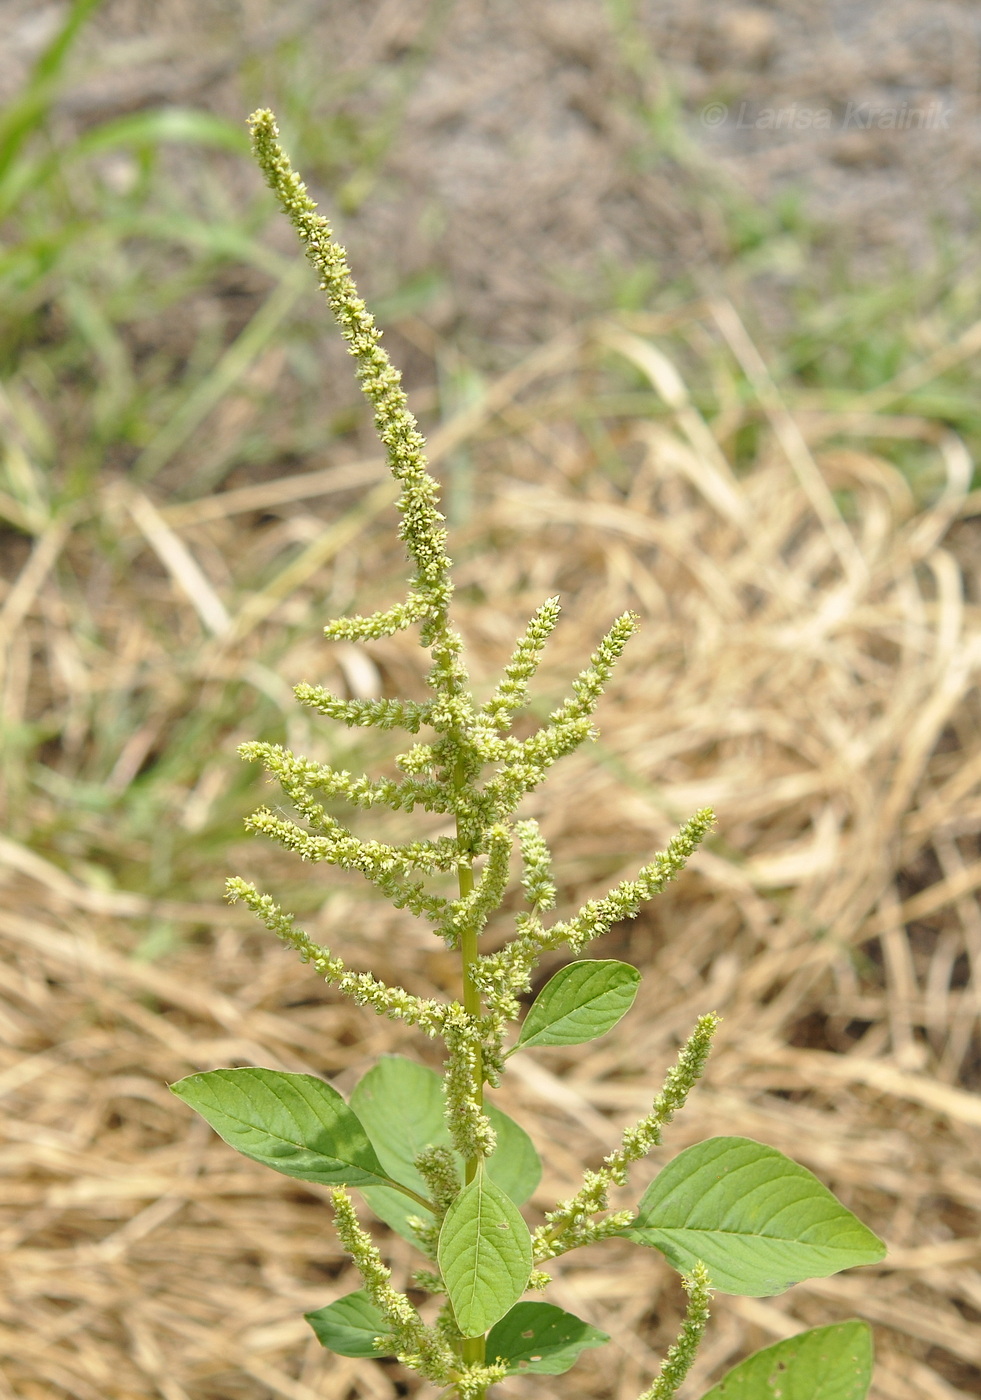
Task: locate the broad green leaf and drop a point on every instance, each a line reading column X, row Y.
column 400, row 1104
column 294, row 1123
column 515, row 1167
column 484, row 1255
column 350, row 1326
column 759, row 1222
column 827, row 1363
column 541, row 1337
column 581, row 1002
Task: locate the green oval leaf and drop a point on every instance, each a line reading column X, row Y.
column 484, row 1255
column 541, row 1337
column 827, row 1363
column 400, row 1104
column 515, row 1166
column 350, row 1326
column 294, row 1123
column 582, row 1001
column 759, row 1222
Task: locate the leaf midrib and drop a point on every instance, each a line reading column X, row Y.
column 738, row 1234
column 344, row 1161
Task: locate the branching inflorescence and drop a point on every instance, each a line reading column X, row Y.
column 450, row 1174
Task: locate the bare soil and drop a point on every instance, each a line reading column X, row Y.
column 529, row 164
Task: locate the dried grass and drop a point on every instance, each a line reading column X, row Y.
column 807, row 666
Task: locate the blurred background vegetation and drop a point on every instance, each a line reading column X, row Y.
column 498, row 176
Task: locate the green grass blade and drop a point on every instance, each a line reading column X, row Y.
column 24, row 115
column 229, row 369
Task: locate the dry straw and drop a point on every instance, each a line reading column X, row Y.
column 806, row 666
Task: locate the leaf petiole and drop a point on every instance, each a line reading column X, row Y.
column 413, row 1195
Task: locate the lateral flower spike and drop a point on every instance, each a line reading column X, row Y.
column 412, row 1337
column 437, row 1167
column 363, row 989
column 589, row 684
column 300, row 776
column 513, row 965
column 571, row 1223
column 678, row 1361
column 526, row 763
column 681, row 1079
column 380, row 714
column 469, row 1127
column 536, row 858
column 512, row 692
column 380, row 624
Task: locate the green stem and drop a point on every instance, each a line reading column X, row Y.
column 471, row 995
column 473, row 1347
column 473, row 1350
